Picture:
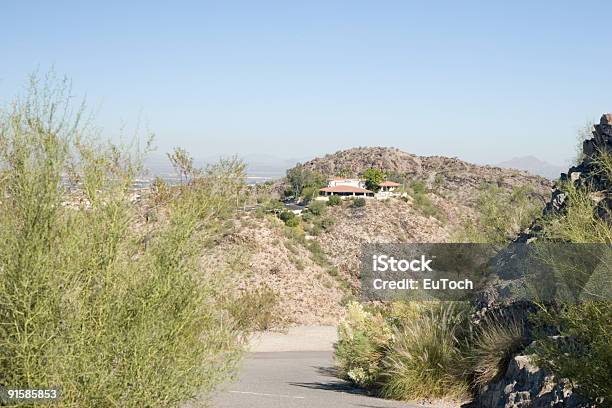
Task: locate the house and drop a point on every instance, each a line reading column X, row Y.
column 349, row 187
column 344, row 187
column 389, row 186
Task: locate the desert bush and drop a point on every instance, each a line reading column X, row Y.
column 405, row 350
column 362, row 339
column 418, row 187
column 317, row 208
column 86, row 304
column 496, row 340
column 420, row 201
column 582, row 350
column 500, row 216
column 334, row 200
column 422, row 361
column 255, row 309
column 289, row 218
column 579, row 223
column 358, row 202
column 323, row 223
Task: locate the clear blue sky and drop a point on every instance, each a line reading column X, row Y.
column 484, row 81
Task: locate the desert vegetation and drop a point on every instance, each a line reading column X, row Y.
column 414, row 350
column 95, row 299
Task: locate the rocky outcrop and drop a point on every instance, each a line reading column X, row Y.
column 586, row 175
column 525, row 385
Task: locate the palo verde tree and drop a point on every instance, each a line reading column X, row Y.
column 87, row 304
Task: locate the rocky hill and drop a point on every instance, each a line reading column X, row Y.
column 456, row 177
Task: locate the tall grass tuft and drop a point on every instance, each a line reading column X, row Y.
column 422, row 362
column 86, row 303
column 494, row 343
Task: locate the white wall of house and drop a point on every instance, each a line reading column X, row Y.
column 346, row 182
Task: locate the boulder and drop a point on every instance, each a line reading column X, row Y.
column 525, row 385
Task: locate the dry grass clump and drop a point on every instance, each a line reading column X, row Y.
column 495, row 342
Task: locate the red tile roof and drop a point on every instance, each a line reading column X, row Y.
column 389, row 184
column 345, row 189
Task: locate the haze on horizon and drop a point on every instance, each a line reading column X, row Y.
column 481, row 81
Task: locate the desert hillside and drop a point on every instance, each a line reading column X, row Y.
column 456, row 177
column 312, row 272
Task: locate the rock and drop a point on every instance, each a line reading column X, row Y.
column 525, row 385
column 585, row 175
column 606, row 119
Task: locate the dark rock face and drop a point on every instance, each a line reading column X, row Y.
column 526, row 385
column 584, row 175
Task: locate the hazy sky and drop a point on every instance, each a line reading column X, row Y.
column 484, row 81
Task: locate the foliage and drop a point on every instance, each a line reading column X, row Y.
column 317, row 208
column 86, row 303
column 334, row 200
column 161, row 191
column 358, row 202
column 405, row 350
column 579, row 223
column 373, row 177
column 496, row 340
column 300, row 178
column 582, row 352
column 420, row 201
column 418, row 187
column 255, row 309
column 363, row 337
column 499, row 216
column 289, row 218
column 323, row 224
column 422, row 363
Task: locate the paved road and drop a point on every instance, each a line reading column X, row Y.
column 294, row 379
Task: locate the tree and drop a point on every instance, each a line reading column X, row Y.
column 373, row 179
column 301, row 179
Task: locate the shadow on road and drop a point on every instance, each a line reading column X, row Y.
column 337, row 386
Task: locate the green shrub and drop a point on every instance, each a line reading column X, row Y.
column 334, row 200
column 579, row 223
column 582, row 350
column 362, row 339
column 289, row 218
column 317, row 207
column 358, row 202
column 500, row 216
column 422, row 362
column 86, row 302
column 418, row 187
column 323, row 223
column 404, row 350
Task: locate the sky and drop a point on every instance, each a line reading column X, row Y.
column 484, row 81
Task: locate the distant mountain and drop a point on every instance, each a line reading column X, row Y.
column 534, row 166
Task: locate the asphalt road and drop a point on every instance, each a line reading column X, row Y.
column 291, row 379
